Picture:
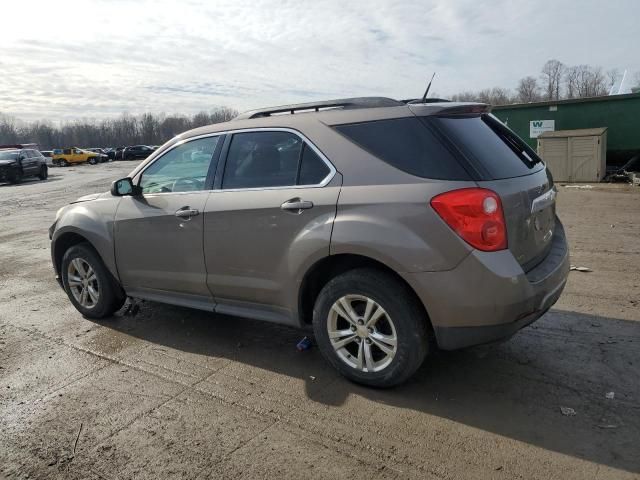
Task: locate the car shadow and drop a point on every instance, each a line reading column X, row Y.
column 515, row 389
column 31, row 180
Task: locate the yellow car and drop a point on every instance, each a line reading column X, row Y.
column 69, row 156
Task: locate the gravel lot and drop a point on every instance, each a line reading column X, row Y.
column 174, row 393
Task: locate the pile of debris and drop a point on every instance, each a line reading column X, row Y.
column 629, row 172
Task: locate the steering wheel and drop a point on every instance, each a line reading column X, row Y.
column 187, row 185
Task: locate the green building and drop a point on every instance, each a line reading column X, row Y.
column 619, row 113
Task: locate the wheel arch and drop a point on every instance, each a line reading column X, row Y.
column 331, row 266
column 67, row 238
column 63, row 243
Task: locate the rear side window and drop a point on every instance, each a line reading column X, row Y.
column 271, row 159
column 407, row 144
column 493, row 148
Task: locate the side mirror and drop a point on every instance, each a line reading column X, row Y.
column 125, row 187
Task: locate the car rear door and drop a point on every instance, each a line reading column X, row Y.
column 268, row 221
column 29, row 162
column 159, row 234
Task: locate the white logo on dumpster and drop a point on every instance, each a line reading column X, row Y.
column 536, row 127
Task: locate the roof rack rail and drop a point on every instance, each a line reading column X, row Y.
column 427, row 100
column 345, row 103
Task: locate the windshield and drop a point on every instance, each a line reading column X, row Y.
column 11, row 155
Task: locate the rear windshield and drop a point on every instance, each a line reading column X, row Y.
column 494, row 150
column 407, row 144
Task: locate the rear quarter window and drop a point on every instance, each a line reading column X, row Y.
column 407, row 144
column 489, row 145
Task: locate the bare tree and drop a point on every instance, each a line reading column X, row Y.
column 590, row 81
column 8, row 130
column 491, row 96
column 552, row 77
column 528, row 90
column 148, row 129
column 466, row 96
column 571, row 82
column 612, row 75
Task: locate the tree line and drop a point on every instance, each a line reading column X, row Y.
column 145, row 129
column 556, row 81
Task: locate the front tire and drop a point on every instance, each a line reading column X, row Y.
column 17, row 176
column 44, row 173
column 89, row 285
column 371, row 327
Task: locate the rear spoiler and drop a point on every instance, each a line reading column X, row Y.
column 449, row 108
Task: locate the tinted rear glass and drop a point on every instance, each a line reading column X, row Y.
column 407, row 144
column 494, row 150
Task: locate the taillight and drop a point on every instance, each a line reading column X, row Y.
column 476, row 215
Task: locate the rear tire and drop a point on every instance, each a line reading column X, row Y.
column 44, row 172
column 373, row 348
column 89, row 284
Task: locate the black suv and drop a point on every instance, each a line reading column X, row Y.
column 17, row 162
column 137, row 152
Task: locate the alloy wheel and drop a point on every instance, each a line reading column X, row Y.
column 83, row 283
column 362, row 333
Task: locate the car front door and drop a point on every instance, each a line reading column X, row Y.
column 268, row 221
column 159, row 233
column 77, row 156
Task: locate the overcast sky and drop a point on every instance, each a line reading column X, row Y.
column 91, row 59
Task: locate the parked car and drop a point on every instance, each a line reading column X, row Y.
column 102, row 154
column 116, row 153
column 48, row 156
column 74, row 155
column 393, row 228
column 137, row 152
column 19, row 163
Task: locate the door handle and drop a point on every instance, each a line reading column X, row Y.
column 186, row 212
column 296, row 205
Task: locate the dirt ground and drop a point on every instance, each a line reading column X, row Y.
column 174, row 393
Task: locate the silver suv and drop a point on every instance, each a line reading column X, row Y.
column 392, row 227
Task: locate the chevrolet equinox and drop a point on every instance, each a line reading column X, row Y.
column 392, row 227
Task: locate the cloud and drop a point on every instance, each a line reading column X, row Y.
column 99, row 58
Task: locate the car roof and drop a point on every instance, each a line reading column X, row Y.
column 336, row 112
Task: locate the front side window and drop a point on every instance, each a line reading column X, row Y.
column 271, row 159
column 182, row 169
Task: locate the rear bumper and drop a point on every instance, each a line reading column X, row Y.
column 489, row 297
